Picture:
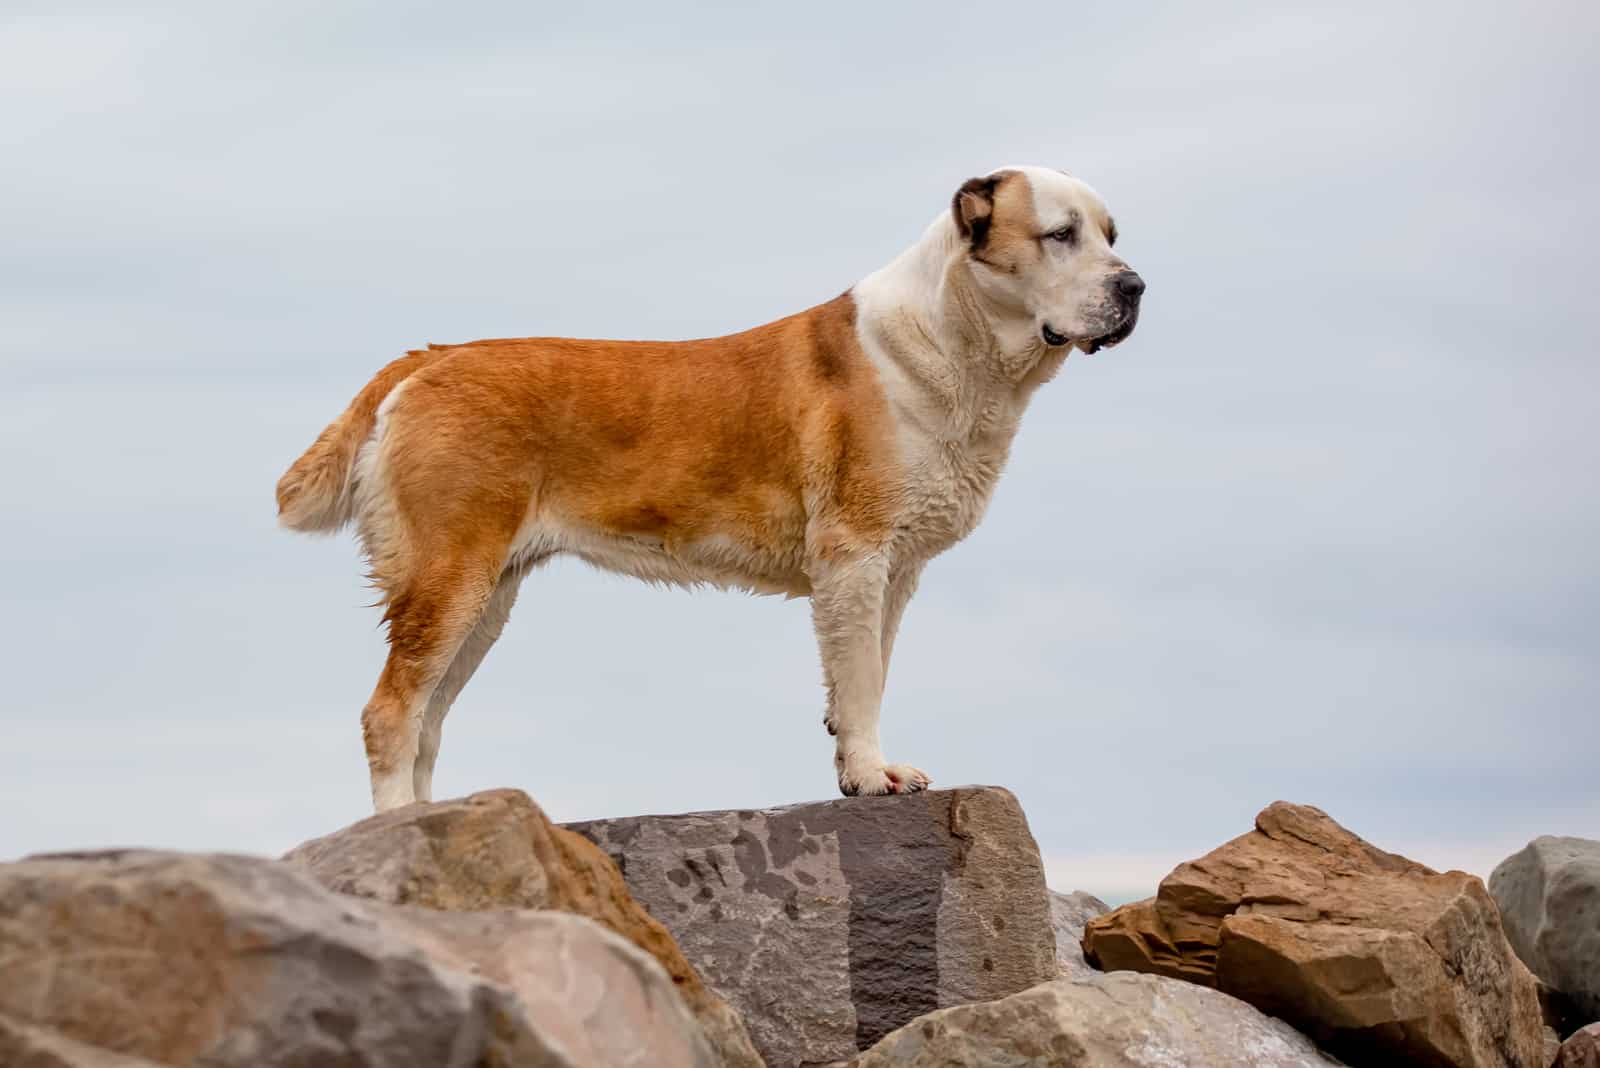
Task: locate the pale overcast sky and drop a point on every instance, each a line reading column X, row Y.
column 1325, row 529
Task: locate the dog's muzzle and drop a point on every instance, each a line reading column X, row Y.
column 1105, row 341
column 1126, row 289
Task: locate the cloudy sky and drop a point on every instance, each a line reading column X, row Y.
column 1326, row 529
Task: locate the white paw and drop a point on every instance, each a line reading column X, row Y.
column 883, row 779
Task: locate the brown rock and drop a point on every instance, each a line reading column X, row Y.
column 593, row 997
column 1377, row 957
column 26, row 1046
column 120, row 959
column 497, row 849
column 1582, row 1050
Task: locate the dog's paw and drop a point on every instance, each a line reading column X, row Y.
column 883, row 779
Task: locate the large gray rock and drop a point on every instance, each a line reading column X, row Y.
column 1124, row 1020
column 1068, row 915
column 828, row 925
column 1549, row 898
column 224, row 960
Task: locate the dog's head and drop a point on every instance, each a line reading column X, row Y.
column 1039, row 245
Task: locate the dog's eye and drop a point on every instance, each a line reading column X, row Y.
column 1066, row 234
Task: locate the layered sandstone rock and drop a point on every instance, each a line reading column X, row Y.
column 1378, row 958
column 1108, row 1021
column 122, row 958
column 1549, row 898
column 828, row 925
column 497, row 850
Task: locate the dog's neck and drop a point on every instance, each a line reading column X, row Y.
column 974, row 362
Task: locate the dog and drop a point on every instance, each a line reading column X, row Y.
column 828, row 455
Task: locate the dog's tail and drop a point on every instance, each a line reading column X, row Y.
column 317, row 493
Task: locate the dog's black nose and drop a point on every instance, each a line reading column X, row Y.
column 1130, row 285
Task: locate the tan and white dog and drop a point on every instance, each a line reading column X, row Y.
column 830, row 454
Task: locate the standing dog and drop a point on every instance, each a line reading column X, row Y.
column 830, row 454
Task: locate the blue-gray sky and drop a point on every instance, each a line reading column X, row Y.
column 1325, row 529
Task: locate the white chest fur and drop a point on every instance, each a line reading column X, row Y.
column 955, row 407
column 949, row 482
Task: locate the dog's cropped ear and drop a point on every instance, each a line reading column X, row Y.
column 973, row 208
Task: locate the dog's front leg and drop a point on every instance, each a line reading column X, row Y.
column 902, row 584
column 847, row 609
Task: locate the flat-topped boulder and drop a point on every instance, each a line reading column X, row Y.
column 828, row 925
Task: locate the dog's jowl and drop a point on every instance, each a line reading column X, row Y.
column 830, row 455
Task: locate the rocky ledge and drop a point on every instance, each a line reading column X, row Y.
column 858, row 933
column 876, row 913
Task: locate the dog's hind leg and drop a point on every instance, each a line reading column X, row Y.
column 429, row 619
column 440, row 496
column 848, row 598
column 474, row 647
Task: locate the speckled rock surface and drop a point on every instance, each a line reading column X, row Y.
column 1124, row 1020
column 497, row 849
column 1549, row 898
column 828, row 925
column 1068, row 915
column 230, row 961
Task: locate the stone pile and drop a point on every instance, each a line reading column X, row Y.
column 896, row 932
